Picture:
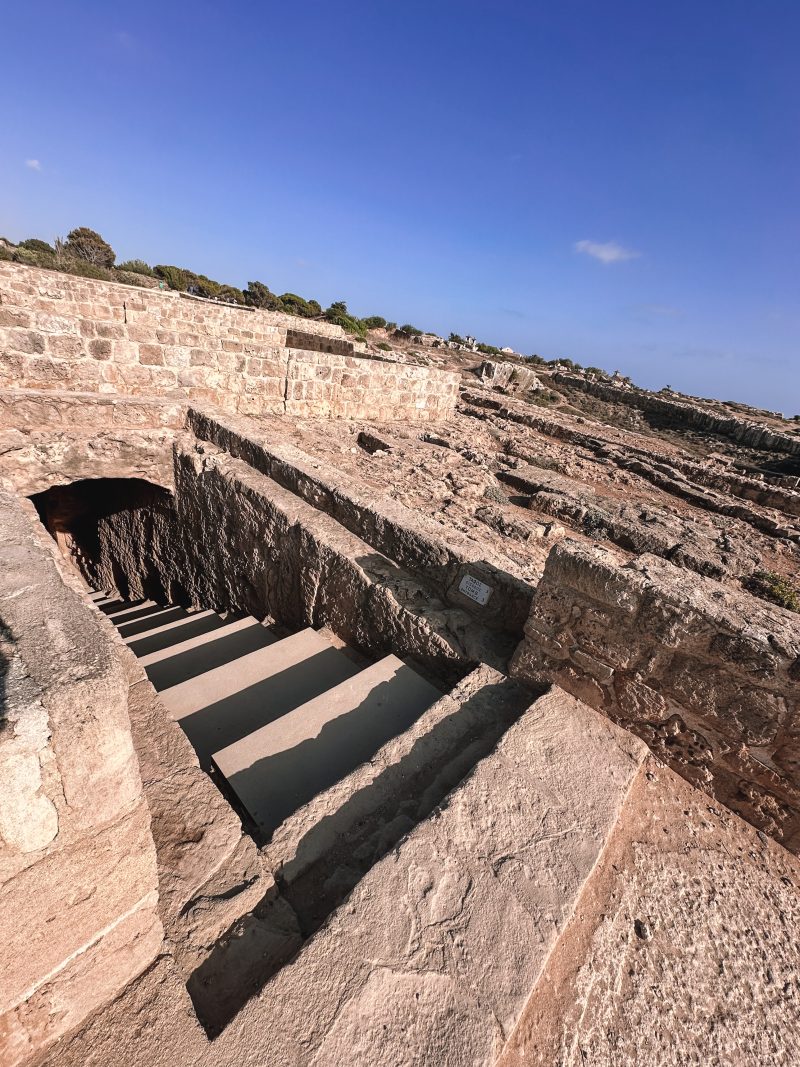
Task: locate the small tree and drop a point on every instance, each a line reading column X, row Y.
column 84, row 243
column 259, row 295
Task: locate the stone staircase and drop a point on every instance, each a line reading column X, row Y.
column 276, row 720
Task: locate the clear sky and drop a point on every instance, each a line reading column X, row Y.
column 613, row 182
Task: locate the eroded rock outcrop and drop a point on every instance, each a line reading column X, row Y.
column 706, row 676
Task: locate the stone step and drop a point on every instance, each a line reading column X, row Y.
column 223, row 705
column 114, row 605
column 433, row 955
column 154, row 622
column 173, row 632
column 132, row 609
column 170, row 666
column 326, row 846
column 281, row 766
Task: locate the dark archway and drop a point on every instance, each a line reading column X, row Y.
column 105, row 527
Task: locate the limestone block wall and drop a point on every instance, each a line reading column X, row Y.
column 353, row 388
column 58, row 331
column 78, row 884
column 706, row 676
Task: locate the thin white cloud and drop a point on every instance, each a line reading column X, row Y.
column 608, row 252
column 33, row 164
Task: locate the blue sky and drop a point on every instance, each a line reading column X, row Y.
column 616, row 183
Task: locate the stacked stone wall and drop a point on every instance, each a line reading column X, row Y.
column 706, row 676
column 59, row 331
column 353, row 388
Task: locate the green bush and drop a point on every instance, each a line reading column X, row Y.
column 259, row 295
column 338, row 314
column 412, row 331
column 31, row 258
column 383, row 346
column 293, row 304
column 176, row 277
column 374, row 322
column 33, row 244
column 83, row 243
column 489, row 350
column 230, row 294
column 6, row 253
column 773, row 587
column 137, row 266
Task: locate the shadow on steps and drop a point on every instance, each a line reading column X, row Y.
column 344, row 844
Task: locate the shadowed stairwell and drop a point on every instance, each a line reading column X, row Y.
column 329, row 760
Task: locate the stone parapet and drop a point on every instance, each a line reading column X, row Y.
column 705, row 675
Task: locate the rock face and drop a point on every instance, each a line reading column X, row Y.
column 742, row 430
column 675, row 953
column 510, row 377
column 77, row 862
column 706, row 676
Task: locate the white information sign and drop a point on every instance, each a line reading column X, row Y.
column 475, row 590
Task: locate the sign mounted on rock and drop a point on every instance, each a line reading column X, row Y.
column 474, row 589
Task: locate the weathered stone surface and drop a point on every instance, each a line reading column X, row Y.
column 77, row 862
column 703, row 674
column 681, row 950
column 510, row 377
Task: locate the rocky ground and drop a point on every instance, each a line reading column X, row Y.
column 519, row 476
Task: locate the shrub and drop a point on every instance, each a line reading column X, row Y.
column 489, row 350
column 391, row 326
column 773, row 587
column 88, row 245
column 137, row 266
column 293, row 304
column 230, row 294
column 374, row 322
column 258, row 295
column 31, row 258
column 338, row 314
column 412, row 331
column 5, row 253
column 383, row 346
column 33, row 244
column 456, row 339
column 83, row 268
column 202, row 286
column 175, row 277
